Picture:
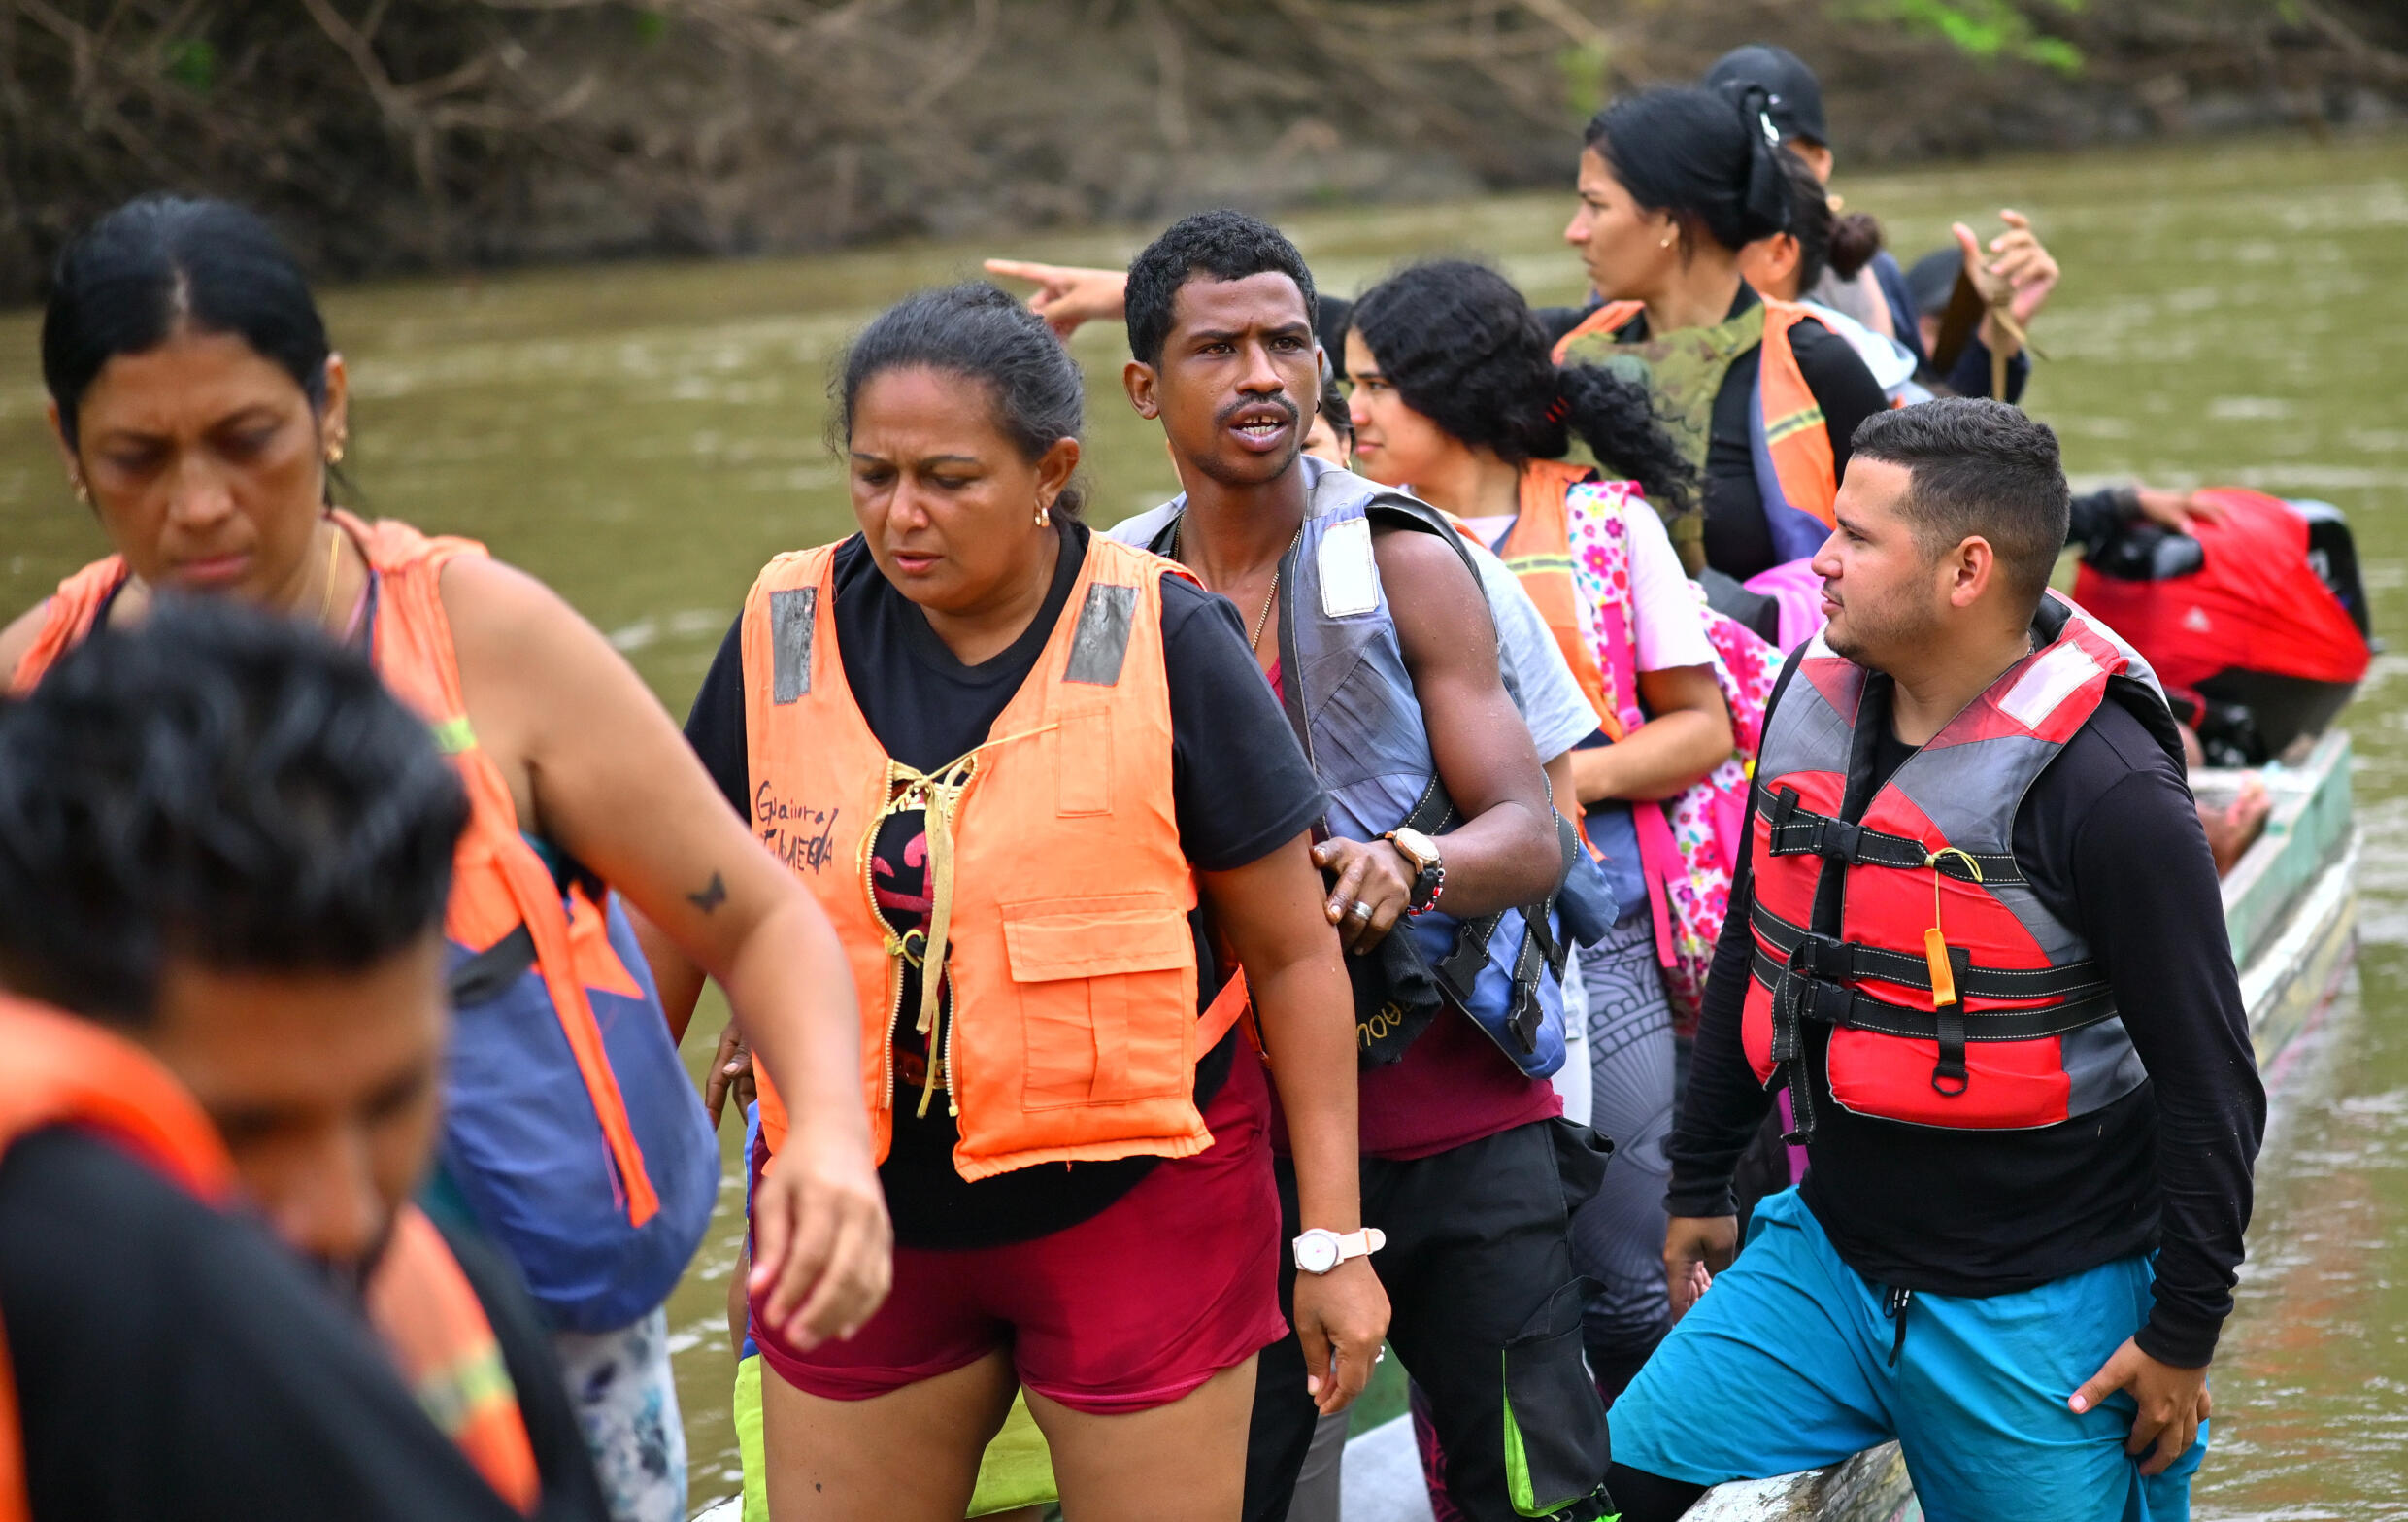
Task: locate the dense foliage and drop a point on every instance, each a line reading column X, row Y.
column 387, row 134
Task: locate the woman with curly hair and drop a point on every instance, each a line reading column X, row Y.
column 1454, row 394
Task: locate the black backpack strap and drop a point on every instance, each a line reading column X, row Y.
column 491, row 972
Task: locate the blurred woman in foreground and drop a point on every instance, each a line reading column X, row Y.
column 198, row 410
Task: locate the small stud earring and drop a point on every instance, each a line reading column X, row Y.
column 334, row 453
column 1667, row 243
column 83, row 493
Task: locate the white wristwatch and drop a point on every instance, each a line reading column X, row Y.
column 1317, row 1251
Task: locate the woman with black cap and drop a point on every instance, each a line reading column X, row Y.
column 1761, row 396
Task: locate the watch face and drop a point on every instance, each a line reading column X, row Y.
column 1316, row 1253
column 1419, row 846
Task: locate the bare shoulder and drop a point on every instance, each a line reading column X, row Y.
column 500, row 609
column 1431, row 586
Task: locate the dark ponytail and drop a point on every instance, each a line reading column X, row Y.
column 1810, row 220
column 155, row 264
column 1765, row 195
column 1855, row 238
column 976, row 332
column 1464, row 349
column 1701, row 156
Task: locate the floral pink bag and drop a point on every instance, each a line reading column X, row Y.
column 1689, row 845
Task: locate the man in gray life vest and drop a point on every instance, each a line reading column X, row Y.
column 1980, row 942
column 1367, row 616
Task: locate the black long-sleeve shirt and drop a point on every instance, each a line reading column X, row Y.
column 2110, row 839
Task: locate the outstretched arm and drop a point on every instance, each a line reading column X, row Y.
column 1069, row 295
column 609, row 779
column 1504, row 852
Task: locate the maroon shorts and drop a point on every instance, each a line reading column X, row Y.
column 1125, row 1311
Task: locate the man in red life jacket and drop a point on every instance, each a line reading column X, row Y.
column 1979, row 940
column 225, row 856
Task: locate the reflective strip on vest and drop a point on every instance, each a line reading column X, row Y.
column 1538, row 550
column 1843, row 909
column 431, row 1321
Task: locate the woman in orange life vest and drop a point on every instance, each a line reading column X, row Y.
column 197, row 408
column 999, row 745
column 1455, row 395
column 224, row 854
column 1762, row 397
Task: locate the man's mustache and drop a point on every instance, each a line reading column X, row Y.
column 1277, row 399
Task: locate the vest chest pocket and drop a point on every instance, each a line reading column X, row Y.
column 1106, row 988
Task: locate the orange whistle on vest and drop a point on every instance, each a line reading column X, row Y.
column 1943, row 976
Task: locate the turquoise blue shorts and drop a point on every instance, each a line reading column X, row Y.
column 1785, row 1366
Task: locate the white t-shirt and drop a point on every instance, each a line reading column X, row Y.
column 1672, row 631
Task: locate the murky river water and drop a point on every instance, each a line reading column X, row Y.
column 645, row 437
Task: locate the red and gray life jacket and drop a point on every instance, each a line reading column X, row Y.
column 1956, row 998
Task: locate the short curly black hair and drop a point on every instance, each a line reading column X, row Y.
column 1222, row 245
column 223, row 785
column 1464, row 349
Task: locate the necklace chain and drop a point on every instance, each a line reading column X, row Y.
column 1253, row 641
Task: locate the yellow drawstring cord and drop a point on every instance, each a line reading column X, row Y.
column 1935, row 944
column 937, row 796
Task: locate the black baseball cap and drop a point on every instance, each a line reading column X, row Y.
column 1795, row 95
column 1932, row 279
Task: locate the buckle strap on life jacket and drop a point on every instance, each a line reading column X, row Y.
column 1826, row 1002
column 1799, row 997
column 1799, row 950
column 1801, row 832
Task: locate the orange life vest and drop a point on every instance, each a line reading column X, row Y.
column 498, row 882
column 65, row 1071
column 1538, row 550
column 1059, row 894
column 61, row 1071
column 1794, row 438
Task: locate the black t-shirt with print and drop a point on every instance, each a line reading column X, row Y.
column 1240, row 783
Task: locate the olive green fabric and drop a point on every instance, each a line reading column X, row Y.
column 1684, row 372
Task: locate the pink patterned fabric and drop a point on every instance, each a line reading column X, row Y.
column 1689, row 845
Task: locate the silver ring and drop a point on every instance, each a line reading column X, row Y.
column 1362, row 910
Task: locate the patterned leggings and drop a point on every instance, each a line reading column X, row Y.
column 1618, row 1237
column 627, row 1402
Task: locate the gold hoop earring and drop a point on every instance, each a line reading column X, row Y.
column 1041, row 514
column 334, row 453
